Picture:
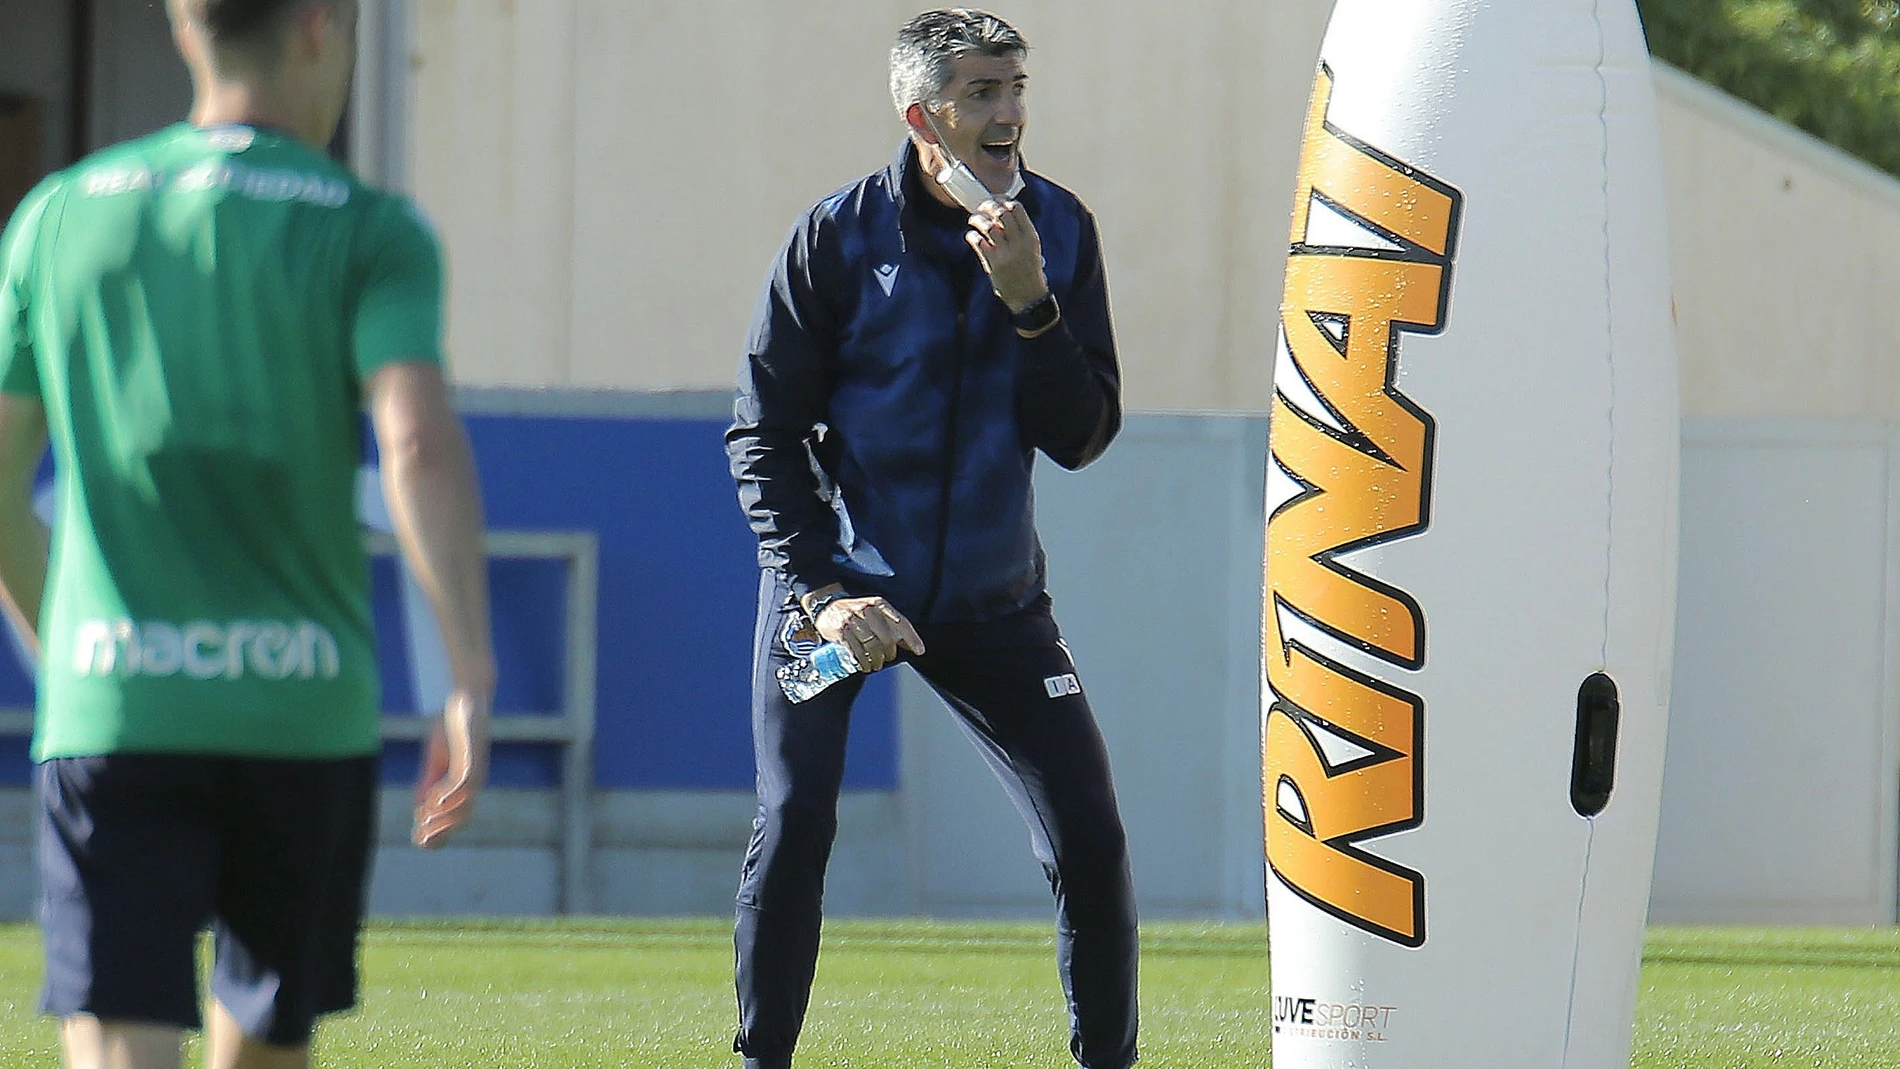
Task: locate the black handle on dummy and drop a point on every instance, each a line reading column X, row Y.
column 1593, row 766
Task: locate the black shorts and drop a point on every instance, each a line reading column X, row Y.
column 140, row 852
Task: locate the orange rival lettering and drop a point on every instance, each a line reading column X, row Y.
column 1364, row 468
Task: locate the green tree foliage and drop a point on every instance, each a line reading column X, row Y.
column 1831, row 67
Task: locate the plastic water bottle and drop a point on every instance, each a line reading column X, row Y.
column 804, row 679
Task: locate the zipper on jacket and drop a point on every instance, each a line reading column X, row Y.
column 949, row 462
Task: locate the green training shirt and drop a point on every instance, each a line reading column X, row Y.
column 199, row 310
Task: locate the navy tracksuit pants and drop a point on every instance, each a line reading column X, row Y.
column 1007, row 680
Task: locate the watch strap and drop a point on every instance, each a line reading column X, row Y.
column 1039, row 318
column 818, row 604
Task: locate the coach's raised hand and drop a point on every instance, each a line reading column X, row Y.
column 1006, row 242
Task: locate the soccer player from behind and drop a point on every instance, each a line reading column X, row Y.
column 196, row 319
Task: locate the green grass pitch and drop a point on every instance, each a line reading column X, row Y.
column 916, row 995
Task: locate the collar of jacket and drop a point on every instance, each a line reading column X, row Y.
column 907, row 162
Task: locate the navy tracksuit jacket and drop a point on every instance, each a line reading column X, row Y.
column 884, row 435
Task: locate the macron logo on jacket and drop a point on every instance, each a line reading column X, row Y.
column 886, row 277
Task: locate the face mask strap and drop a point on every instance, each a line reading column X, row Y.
column 943, row 144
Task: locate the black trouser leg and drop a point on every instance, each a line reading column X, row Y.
column 1009, row 682
column 800, row 754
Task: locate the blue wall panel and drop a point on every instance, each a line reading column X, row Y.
column 16, row 766
column 678, row 585
column 530, row 596
column 16, row 692
column 678, row 591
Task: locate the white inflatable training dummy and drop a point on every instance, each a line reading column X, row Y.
column 1470, row 543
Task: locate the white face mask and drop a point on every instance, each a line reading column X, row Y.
column 962, row 183
column 967, row 189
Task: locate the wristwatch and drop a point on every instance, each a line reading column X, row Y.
column 1037, row 319
column 818, row 604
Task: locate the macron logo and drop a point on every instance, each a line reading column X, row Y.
column 270, row 650
column 887, row 277
column 1063, row 686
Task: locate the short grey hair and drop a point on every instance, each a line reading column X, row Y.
column 925, row 55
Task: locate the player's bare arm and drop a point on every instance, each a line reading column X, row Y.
column 22, row 537
column 435, row 507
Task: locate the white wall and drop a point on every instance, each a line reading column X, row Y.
column 1779, row 800
column 1154, row 565
column 613, row 178
column 1787, row 255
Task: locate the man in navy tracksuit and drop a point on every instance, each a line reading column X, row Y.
column 909, row 358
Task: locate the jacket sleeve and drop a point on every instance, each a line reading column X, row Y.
column 784, row 391
column 1068, row 392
